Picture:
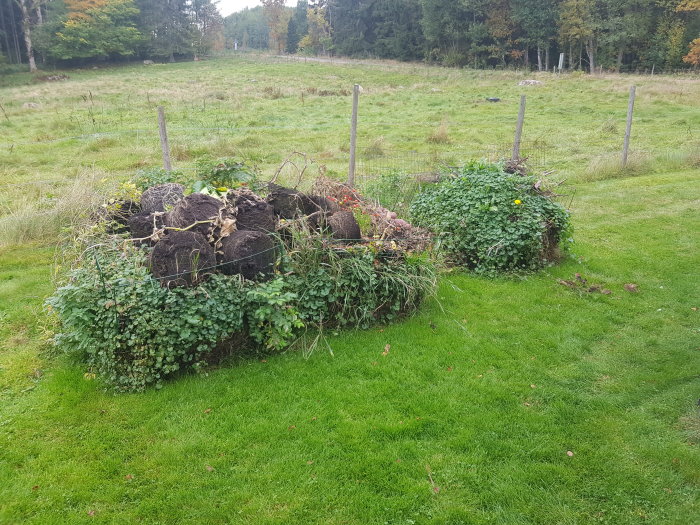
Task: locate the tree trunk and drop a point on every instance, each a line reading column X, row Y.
column 539, row 58
column 26, row 29
column 580, row 56
column 590, row 51
column 526, row 56
column 39, row 16
column 172, row 57
column 546, row 58
column 5, row 34
column 571, row 57
column 620, row 54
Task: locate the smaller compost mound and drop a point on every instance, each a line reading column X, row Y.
column 252, row 212
column 249, row 253
column 162, row 197
column 182, row 258
column 197, row 212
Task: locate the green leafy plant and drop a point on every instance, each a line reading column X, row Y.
column 356, row 286
column 148, row 177
column 219, row 176
column 491, row 221
column 272, row 317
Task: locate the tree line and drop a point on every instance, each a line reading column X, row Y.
column 621, row 35
column 75, row 31
column 625, row 35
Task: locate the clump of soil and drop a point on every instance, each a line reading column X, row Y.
column 248, row 253
column 288, row 203
column 252, row 212
column 162, row 197
column 144, row 225
column 197, row 212
column 344, row 227
column 182, row 259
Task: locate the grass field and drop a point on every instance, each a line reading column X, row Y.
column 509, row 401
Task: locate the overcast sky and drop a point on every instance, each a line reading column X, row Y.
column 226, row 7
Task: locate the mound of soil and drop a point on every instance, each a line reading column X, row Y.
column 343, row 226
column 249, row 253
column 182, row 259
column 194, row 208
column 144, row 224
column 162, row 196
column 253, row 213
column 288, row 203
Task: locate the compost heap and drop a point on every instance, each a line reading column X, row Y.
column 240, row 232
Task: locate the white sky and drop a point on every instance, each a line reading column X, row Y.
column 226, row 7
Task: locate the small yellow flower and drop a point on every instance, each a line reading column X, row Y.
column 517, row 201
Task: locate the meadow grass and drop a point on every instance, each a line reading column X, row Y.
column 471, row 415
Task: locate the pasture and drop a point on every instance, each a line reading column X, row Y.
column 513, row 400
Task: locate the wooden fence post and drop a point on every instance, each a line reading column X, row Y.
column 353, row 134
column 628, row 131
column 164, row 139
column 519, row 129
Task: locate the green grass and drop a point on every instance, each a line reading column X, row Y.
column 469, row 417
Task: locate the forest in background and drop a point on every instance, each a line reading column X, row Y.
column 615, row 35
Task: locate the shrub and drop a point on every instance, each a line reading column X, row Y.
column 135, row 333
column 356, row 286
column 492, row 221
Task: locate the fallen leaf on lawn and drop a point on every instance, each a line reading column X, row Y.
column 449, row 369
column 209, row 468
column 632, row 288
column 386, row 350
column 292, row 427
column 314, row 418
column 309, row 462
column 605, row 291
column 128, row 477
column 694, row 308
column 526, row 404
column 35, row 487
column 91, row 513
column 436, row 489
column 263, row 360
column 569, row 453
column 208, row 410
column 533, row 386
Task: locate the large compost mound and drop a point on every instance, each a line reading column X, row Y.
column 242, row 233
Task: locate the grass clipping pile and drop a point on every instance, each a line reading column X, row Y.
column 173, row 281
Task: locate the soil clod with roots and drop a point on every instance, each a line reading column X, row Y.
column 249, row 253
column 252, row 212
column 197, row 212
column 344, row 226
column 182, row 258
column 162, row 197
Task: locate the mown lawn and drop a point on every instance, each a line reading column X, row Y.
column 507, row 401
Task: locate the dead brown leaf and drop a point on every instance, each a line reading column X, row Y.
column 632, row 288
